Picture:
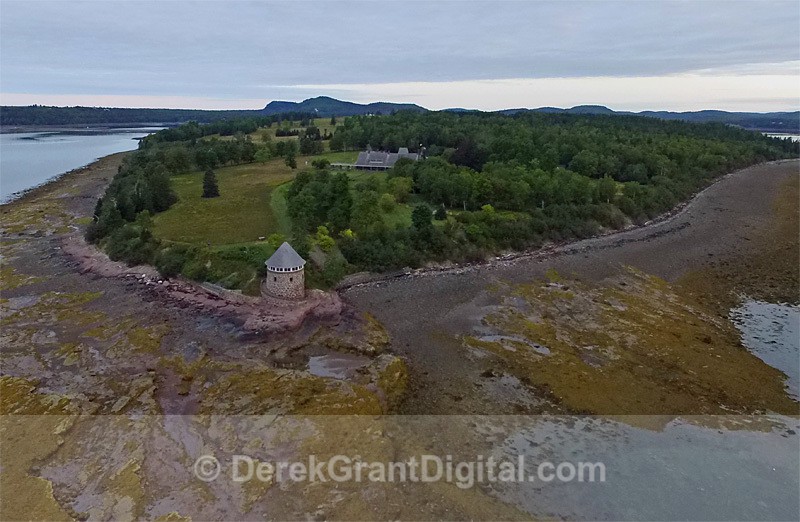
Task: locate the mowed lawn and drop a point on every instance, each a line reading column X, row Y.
column 242, row 213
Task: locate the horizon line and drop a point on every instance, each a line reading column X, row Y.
column 453, row 108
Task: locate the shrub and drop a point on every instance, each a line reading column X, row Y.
column 387, row 202
column 132, row 244
column 210, row 188
column 171, row 260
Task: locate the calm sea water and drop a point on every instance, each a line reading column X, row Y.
column 30, row 159
column 772, row 332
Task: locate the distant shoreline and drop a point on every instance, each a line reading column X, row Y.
column 106, row 127
column 92, row 128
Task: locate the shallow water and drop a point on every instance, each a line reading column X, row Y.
column 680, row 470
column 772, row 333
column 32, row 158
column 505, row 340
column 337, row 366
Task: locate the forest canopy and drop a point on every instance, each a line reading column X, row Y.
column 486, row 183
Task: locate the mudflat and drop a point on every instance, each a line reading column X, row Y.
column 724, row 227
column 99, row 366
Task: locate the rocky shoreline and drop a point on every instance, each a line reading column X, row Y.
column 259, row 316
column 114, row 380
column 728, row 240
column 610, row 239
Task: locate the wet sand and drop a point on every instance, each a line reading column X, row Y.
column 424, row 314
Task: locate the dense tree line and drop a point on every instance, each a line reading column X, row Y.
column 497, row 182
column 226, row 127
column 48, row 115
column 487, row 183
column 554, row 139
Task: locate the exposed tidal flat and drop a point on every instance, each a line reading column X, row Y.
column 634, row 327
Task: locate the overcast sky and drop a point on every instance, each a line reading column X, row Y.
column 486, row 55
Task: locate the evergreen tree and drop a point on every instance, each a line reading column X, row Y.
column 290, row 160
column 421, row 223
column 210, row 189
column 97, row 209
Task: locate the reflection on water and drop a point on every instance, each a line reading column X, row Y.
column 656, row 467
column 772, row 333
column 338, row 366
column 686, row 470
column 32, row 158
column 508, row 342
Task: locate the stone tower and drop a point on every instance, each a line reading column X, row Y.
column 285, row 274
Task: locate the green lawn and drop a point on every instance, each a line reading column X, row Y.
column 400, row 217
column 336, row 157
column 241, row 214
column 280, row 209
column 252, row 203
column 323, row 124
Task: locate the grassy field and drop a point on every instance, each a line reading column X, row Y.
column 241, row 214
column 251, row 203
column 323, row 124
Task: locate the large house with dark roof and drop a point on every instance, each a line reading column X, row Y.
column 378, row 160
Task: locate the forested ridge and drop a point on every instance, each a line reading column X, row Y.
column 487, row 183
column 46, row 115
column 324, row 106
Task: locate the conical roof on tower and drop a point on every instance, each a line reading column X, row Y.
column 285, row 258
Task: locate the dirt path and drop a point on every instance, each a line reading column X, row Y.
column 424, row 313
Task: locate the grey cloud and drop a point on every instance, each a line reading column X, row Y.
column 232, row 49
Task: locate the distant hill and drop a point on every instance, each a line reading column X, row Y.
column 767, row 121
column 774, row 121
column 321, row 106
column 325, row 106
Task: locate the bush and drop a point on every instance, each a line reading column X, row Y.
column 132, row 244
column 387, row 202
column 197, row 268
column 171, row 260
column 275, row 240
column 323, row 239
column 333, row 272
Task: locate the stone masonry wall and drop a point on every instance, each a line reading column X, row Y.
column 286, row 285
